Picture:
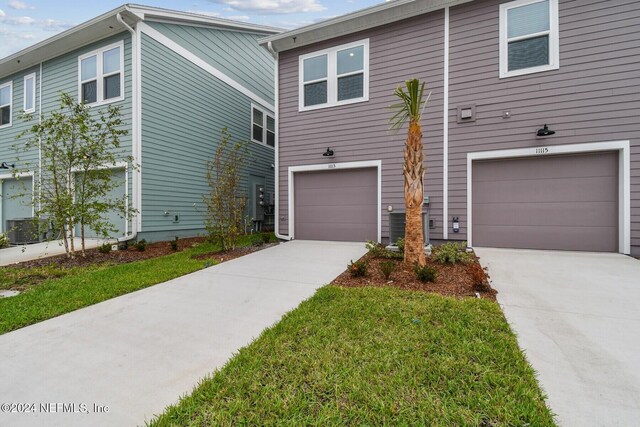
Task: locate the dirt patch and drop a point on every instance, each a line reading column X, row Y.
column 451, row 280
column 122, row 256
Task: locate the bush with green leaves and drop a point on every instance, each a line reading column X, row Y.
column 4, row 240
column 140, row 245
column 266, row 238
column 105, row 248
column 386, row 268
column 400, row 245
column 452, row 253
column 358, row 268
column 375, row 249
column 425, row 273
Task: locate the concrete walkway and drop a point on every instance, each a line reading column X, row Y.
column 138, row 353
column 577, row 316
column 23, row 253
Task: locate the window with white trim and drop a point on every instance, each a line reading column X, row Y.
column 101, row 76
column 6, row 98
column 29, row 105
column 263, row 127
column 528, row 37
column 335, row 76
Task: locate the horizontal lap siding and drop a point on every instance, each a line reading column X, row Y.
column 184, row 110
column 235, row 53
column 593, row 97
column 358, row 132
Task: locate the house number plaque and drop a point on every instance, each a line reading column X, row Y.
column 542, row 150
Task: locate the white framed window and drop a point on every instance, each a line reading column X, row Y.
column 529, row 40
column 101, row 75
column 263, row 126
column 29, row 89
column 335, row 76
column 6, row 103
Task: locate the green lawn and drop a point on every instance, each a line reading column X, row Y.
column 374, row 356
column 82, row 286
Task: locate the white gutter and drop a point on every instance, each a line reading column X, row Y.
column 445, row 132
column 277, row 143
column 135, row 119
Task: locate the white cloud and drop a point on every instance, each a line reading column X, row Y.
column 29, row 22
column 19, row 5
column 274, row 6
column 2, row 14
column 239, row 17
column 206, row 13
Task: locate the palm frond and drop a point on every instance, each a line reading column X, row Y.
column 411, row 106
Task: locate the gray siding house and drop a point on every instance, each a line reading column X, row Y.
column 499, row 71
column 179, row 79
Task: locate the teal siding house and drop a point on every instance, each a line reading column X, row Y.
column 179, row 79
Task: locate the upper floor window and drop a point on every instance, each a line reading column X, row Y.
column 6, row 96
column 263, row 127
column 528, row 37
column 101, row 75
column 29, row 93
column 335, row 76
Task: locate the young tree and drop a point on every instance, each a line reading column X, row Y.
column 226, row 200
column 78, row 148
column 410, row 108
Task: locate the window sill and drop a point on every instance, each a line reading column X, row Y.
column 337, row 104
column 107, row 102
column 525, row 71
column 8, row 125
column 262, row 144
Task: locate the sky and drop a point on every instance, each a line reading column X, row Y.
column 25, row 22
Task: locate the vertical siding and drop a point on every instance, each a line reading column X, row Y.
column 412, row 48
column 183, row 111
column 593, row 97
column 235, row 53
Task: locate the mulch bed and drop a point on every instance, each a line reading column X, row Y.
column 123, row 256
column 451, row 280
column 236, row 253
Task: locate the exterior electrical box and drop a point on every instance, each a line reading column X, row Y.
column 397, row 224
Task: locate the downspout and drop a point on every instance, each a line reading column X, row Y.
column 276, row 56
column 134, row 121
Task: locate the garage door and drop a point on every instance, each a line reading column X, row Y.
column 337, row 205
column 16, row 200
column 557, row 202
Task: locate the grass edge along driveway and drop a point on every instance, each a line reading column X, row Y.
column 95, row 284
column 374, row 356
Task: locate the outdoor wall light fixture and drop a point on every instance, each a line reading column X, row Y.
column 545, row 131
column 328, row 153
column 4, row 165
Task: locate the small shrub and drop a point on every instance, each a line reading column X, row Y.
column 266, row 238
column 400, row 245
column 105, row 248
column 478, row 276
column 375, row 249
column 425, row 273
column 452, row 253
column 386, row 268
column 174, row 244
column 358, row 268
column 257, row 240
column 4, row 240
column 140, row 245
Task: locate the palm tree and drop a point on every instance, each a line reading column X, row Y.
column 411, row 108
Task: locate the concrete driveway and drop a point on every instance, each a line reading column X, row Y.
column 119, row 362
column 577, row 317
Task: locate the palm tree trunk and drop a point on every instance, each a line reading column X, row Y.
column 414, row 195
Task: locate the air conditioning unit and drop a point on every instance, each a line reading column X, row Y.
column 397, row 224
column 22, row 231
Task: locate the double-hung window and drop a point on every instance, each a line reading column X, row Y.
column 29, row 93
column 335, row 76
column 101, row 75
column 528, row 37
column 263, row 127
column 6, row 96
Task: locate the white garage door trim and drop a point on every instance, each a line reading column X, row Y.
column 624, row 178
column 7, row 176
column 333, row 166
